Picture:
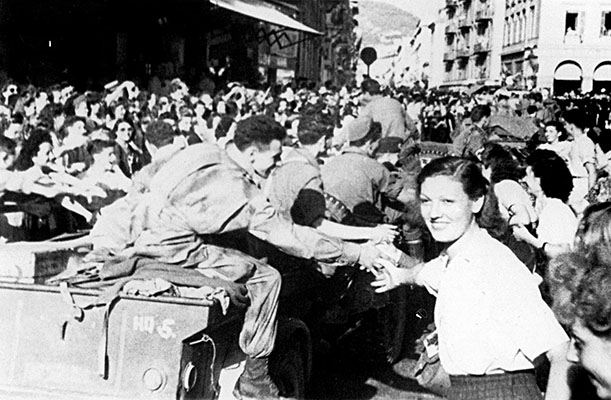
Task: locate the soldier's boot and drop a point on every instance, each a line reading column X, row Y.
column 255, row 382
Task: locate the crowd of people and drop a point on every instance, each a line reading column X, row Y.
column 172, row 182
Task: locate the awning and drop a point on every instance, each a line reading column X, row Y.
column 603, row 73
column 265, row 12
column 568, row 72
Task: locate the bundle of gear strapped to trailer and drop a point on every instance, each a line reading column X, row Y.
column 120, row 330
column 126, row 328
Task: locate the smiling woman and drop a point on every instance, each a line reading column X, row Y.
column 448, row 206
column 491, row 320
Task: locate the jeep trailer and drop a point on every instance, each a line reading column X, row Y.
column 53, row 345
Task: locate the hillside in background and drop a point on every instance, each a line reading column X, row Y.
column 379, row 20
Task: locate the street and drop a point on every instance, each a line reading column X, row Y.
column 350, row 379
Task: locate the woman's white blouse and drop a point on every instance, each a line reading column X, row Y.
column 557, row 222
column 489, row 313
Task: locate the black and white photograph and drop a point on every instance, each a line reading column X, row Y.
column 305, row 199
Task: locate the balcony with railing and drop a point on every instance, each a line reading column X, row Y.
column 484, row 14
column 463, row 52
column 449, row 55
column 481, row 46
column 450, row 28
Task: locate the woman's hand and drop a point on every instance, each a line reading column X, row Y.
column 521, row 233
column 383, row 233
column 388, row 276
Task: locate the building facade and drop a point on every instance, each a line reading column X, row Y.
column 412, row 64
column 92, row 42
column 340, row 45
column 473, row 42
column 563, row 45
column 520, row 65
column 420, row 59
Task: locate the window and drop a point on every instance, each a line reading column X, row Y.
column 570, row 22
column 514, row 33
column 573, row 25
column 524, row 25
column 605, row 29
column 537, row 19
column 506, row 32
column 533, row 23
column 527, row 25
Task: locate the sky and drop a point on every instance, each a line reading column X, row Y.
column 420, row 8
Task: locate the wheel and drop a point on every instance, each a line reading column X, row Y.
column 288, row 371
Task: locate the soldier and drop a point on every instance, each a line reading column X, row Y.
column 469, row 142
column 387, row 111
column 197, row 197
column 354, row 177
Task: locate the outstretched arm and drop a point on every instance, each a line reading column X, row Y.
column 376, row 234
column 390, row 275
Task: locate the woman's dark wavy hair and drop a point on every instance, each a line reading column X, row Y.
column 502, row 163
column 562, row 135
column 462, row 170
column 556, row 178
column 30, row 148
column 475, row 186
column 580, row 290
column 115, row 128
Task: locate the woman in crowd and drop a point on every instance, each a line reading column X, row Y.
column 593, row 237
column 36, row 158
column 116, row 113
column 507, row 203
column 103, row 170
column 575, row 298
column 72, row 153
column 200, row 122
column 37, row 152
column 556, row 140
column 128, row 153
column 491, row 321
column 104, row 173
column 550, row 181
column 581, row 289
column 504, row 173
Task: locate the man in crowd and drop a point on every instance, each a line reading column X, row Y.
column 296, row 187
column 354, row 177
column 582, row 159
column 544, row 113
column 197, row 197
column 385, row 110
column 472, row 139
